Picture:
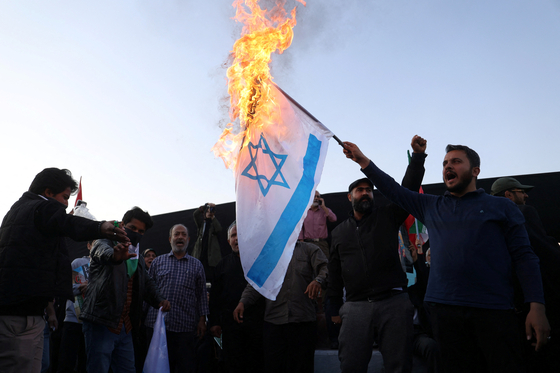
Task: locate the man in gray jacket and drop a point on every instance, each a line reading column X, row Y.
column 290, row 322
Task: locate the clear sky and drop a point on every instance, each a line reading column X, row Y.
column 130, row 94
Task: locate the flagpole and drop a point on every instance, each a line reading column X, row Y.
column 308, row 113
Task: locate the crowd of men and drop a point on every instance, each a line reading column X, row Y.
column 487, row 302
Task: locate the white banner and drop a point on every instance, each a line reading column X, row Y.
column 277, row 173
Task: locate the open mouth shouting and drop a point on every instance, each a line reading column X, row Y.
column 450, row 176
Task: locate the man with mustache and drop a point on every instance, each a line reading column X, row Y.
column 477, row 240
column 546, row 248
column 181, row 279
column 365, row 260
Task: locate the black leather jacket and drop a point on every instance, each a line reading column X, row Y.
column 108, row 285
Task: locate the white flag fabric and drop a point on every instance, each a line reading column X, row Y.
column 277, row 173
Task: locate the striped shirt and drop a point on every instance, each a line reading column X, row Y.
column 183, row 283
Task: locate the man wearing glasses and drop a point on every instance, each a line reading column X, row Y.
column 548, row 251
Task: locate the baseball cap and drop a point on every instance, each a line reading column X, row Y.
column 147, row 250
column 355, row 184
column 507, row 183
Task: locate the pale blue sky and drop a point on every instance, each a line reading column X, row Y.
column 129, row 94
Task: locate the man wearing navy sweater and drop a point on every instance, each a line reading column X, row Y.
column 477, row 241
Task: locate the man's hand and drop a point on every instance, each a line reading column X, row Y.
column 113, row 233
column 52, row 320
column 313, row 289
column 120, row 252
column 336, row 319
column 210, row 215
column 216, row 331
column 238, row 313
column 201, row 328
column 165, row 305
column 537, row 325
column 413, row 252
column 418, row 144
column 354, row 153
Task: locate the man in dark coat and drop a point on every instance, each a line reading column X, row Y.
column 34, row 264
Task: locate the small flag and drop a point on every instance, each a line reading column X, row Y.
column 278, row 170
column 414, row 227
column 79, row 196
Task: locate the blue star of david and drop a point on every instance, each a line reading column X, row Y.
column 276, row 159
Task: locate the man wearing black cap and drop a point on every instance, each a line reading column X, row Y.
column 365, row 260
column 546, row 248
column 510, row 188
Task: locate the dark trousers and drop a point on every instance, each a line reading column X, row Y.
column 72, row 356
column 243, row 347
column 289, row 348
column 180, row 350
column 427, row 349
column 477, row 339
column 332, row 328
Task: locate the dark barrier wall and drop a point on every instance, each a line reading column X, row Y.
column 544, row 197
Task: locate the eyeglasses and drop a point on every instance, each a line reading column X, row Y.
column 518, row 191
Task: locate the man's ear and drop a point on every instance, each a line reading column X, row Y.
column 476, row 171
column 48, row 193
column 350, row 197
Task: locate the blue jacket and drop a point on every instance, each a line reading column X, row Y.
column 475, row 240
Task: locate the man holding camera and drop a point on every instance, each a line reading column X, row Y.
column 315, row 224
column 207, row 247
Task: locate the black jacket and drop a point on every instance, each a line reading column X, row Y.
column 34, row 262
column 364, row 255
column 227, row 287
column 108, row 285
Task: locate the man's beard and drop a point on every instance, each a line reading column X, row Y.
column 363, row 205
column 462, row 184
column 176, row 249
column 315, row 204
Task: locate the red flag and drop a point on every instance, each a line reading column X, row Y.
column 79, row 196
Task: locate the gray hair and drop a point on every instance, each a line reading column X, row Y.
column 234, row 224
column 173, row 227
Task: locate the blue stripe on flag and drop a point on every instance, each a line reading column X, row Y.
column 274, row 246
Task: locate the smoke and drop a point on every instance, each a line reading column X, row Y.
column 322, row 26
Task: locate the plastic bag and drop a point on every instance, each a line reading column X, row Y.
column 157, row 360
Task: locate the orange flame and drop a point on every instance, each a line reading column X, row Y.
column 249, row 80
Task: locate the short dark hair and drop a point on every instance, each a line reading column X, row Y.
column 138, row 213
column 472, row 156
column 54, row 179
